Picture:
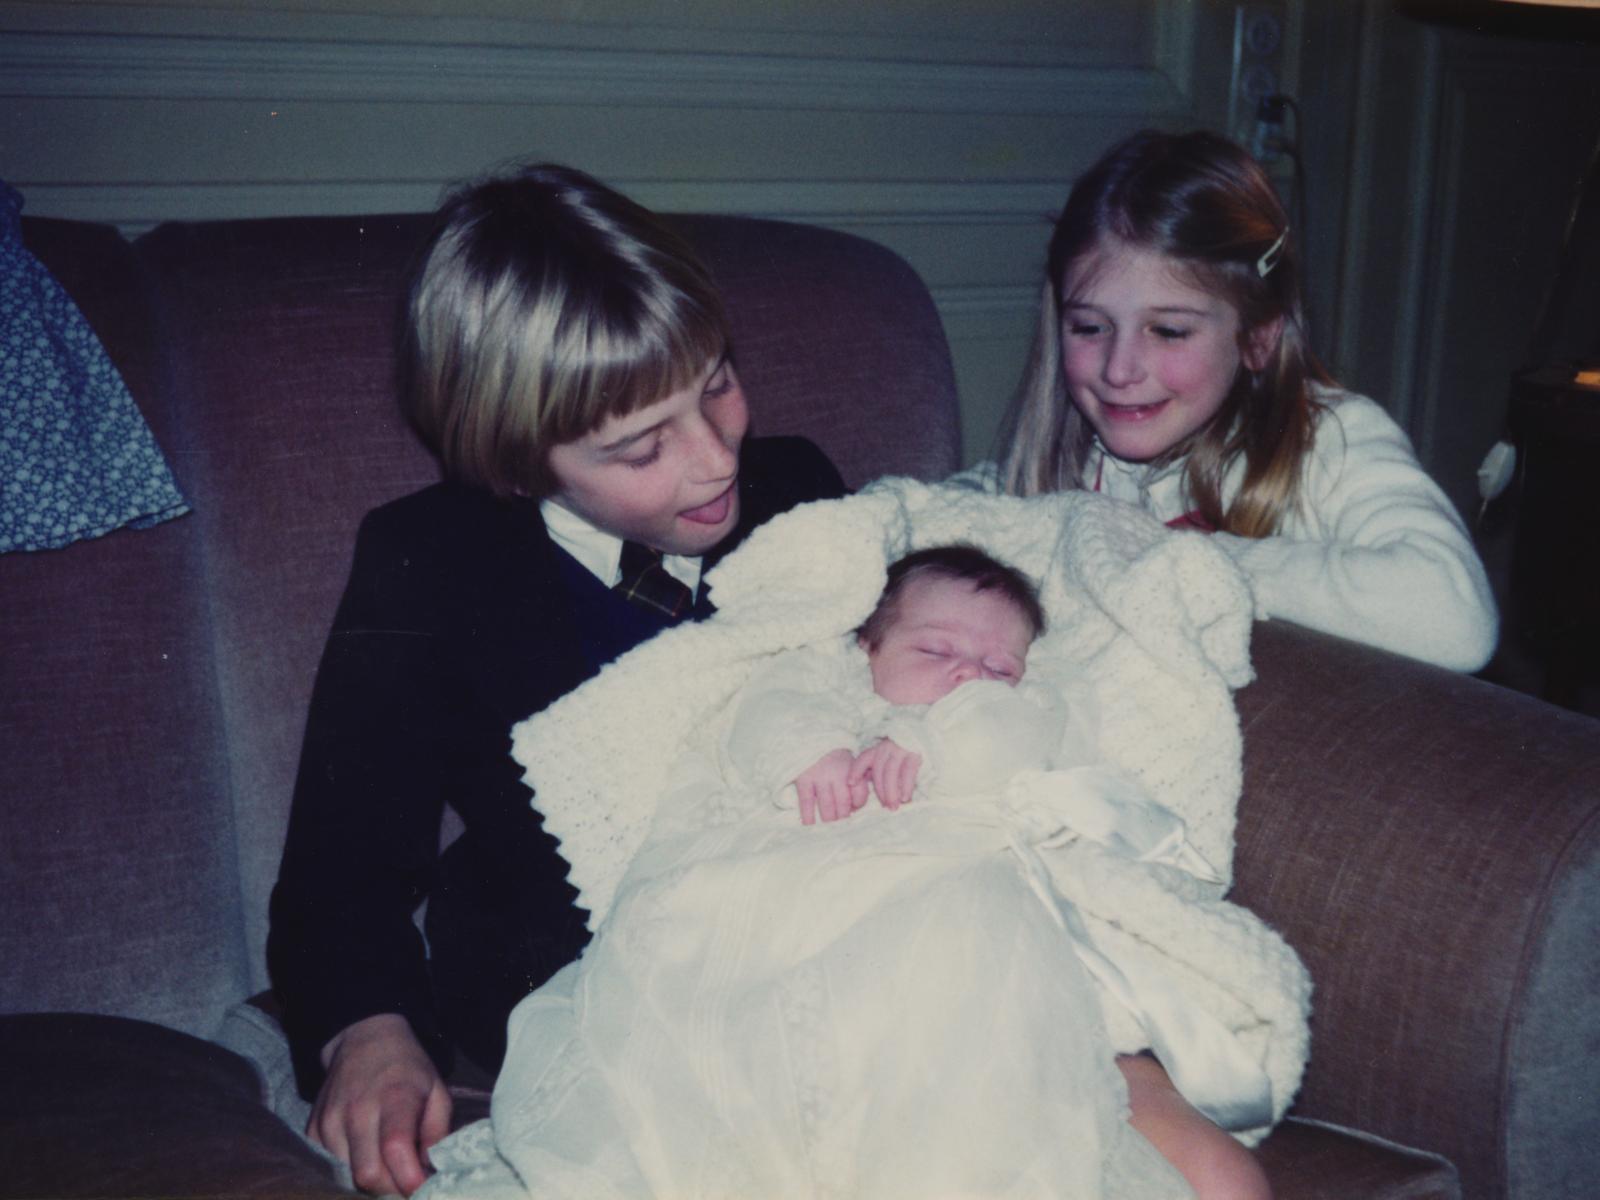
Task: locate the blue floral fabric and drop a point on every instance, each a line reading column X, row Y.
column 76, row 457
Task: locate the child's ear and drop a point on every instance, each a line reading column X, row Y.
column 1261, row 343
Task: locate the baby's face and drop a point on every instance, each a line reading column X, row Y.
column 946, row 633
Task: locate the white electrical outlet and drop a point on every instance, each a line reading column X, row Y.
column 1258, row 61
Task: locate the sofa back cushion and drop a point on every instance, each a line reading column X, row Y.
column 121, row 889
column 280, row 338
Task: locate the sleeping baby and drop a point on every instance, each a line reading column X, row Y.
column 931, row 699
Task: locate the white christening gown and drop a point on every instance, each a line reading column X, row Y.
column 882, row 1007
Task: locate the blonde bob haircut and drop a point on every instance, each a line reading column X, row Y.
column 1203, row 202
column 545, row 303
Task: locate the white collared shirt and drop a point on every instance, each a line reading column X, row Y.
column 600, row 552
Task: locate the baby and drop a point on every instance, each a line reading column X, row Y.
column 942, row 710
column 901, row 1005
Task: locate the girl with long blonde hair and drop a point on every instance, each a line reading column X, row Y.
column 1171, row 368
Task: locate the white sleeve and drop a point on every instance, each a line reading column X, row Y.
column 1379, row 554
column 792, row 712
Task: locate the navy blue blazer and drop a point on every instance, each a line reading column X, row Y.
column 461, row 618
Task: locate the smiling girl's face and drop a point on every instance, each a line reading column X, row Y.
column 1148, row 355
column 945, row 632
column 666, row 475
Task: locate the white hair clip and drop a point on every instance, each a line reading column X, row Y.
column 1267, row 261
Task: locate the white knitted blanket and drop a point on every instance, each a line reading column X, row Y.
column 1158, row 623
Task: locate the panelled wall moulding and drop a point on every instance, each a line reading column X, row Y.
column 137, row 206
column 724, row 71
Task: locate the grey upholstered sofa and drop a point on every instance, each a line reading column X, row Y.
column 1428, row 842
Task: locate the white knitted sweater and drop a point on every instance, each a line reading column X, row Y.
column 1375, row 552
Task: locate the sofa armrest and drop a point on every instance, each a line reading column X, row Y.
column 1430, row 845
column 107, row 1107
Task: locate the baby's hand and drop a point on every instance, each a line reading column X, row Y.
column 892, row 770
column 827, row 789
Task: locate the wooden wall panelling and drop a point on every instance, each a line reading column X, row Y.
column 948, row 129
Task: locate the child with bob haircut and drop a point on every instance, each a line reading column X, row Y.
column 566, row 356
column 1171, row 369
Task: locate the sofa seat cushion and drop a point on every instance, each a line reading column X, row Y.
column 1313, row 1160
column 111, row 1107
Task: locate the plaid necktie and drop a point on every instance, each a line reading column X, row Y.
column 645, row 580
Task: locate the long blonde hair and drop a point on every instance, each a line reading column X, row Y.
column 544, row 303
column 1202, row 201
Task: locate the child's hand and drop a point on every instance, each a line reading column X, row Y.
column 892, row 770
column 827, row 789
column 381, row 1106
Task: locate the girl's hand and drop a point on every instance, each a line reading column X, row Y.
column 382, row 1105
column 826, row 788
column 892, row 770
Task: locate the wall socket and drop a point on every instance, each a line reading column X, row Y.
column 1259, row 33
